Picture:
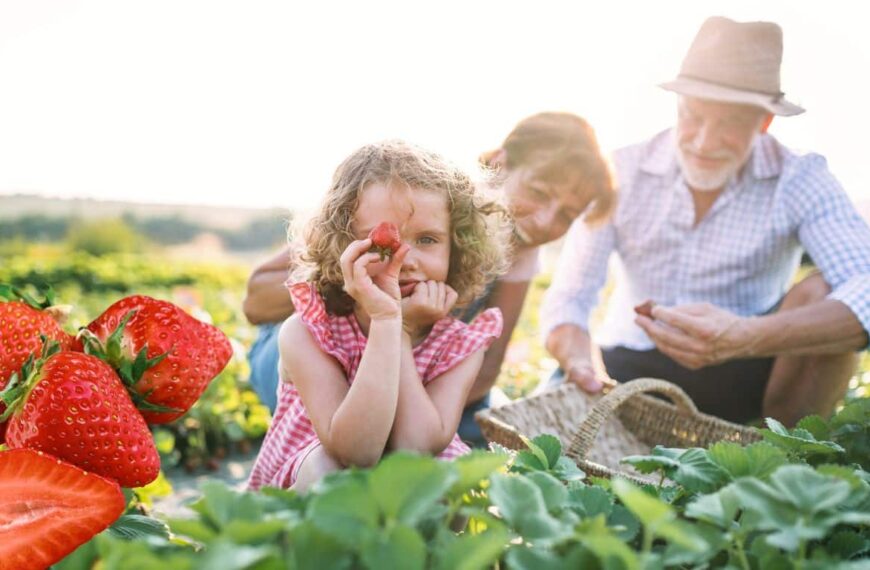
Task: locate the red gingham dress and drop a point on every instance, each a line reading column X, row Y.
column 291, row 436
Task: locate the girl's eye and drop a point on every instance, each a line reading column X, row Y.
column 427, row 240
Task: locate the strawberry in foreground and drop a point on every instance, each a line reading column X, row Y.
column 385, row 239
column 164, row 356
column 23, row 320
column 73, row 406
column 49, row 508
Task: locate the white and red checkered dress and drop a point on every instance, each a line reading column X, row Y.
column 291, row 436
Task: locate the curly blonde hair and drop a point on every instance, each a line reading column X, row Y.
column 479, row 227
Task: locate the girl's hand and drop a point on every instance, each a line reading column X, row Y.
column 378, row 295
column 430, row 301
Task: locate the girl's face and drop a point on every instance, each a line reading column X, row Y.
column 423, row 219
column 542, row 210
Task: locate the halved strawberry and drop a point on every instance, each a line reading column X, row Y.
column 48, row 508
column 385, row 239
column 165, row 357
column 23, row 320
column 73, row 406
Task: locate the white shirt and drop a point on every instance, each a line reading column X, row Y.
column 742, row 256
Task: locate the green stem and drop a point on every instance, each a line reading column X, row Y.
column 647, row 542
column 741, row 553
column 802, row 554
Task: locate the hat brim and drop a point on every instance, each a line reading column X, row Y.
column 704, row 90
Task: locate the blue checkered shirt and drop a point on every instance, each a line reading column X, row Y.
column 742, row 256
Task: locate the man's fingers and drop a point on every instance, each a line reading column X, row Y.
column 664, row 336
column 678, row 318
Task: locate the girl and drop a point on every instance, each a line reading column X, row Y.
column 549, row 171
column 370, row 362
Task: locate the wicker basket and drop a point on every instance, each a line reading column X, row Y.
column 632, row 423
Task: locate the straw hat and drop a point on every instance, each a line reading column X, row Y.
column 735, row 62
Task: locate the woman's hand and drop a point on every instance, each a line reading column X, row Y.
column 378, row 295
column 430, row 301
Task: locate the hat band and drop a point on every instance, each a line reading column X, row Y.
column 777, row 95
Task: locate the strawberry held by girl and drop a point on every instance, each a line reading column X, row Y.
column 165, row 357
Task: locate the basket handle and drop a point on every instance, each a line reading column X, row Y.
column 582, row 440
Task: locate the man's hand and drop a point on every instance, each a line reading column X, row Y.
column 580, row 372
column 699, row 335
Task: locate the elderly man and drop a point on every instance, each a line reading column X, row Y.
column 714, row 216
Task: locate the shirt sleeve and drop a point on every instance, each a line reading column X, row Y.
column 580, row 273
column 835, row 236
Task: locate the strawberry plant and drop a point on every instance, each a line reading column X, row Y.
column 754, row 507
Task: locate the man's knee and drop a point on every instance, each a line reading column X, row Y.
column 812, row 289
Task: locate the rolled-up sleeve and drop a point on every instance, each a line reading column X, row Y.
column 580, row 273
column 835, row 236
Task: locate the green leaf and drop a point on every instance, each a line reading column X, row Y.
column 347, row 511
column 522, row 505
column 659, row 517
column 718, row 508
column 848, row 544
column 220, row 505
column 193, row 528
column 400, row 548
column 135, row 527
column 553, row 491
column 248, row 532
column 230, row 556
column 698, row 473
column 758, row 459
column 527, row 461
column 589, row 500
column 473, row 551
column 625, row 524
column 651, row 463
column 405, row 486
column 536, row 557
column 314, row 549
column 547, row 444
column 817, row 427
column 649, row 510
column 800, row 441
column 808, row 490
column 474, row 468
column 566, row 470
column 605, row 543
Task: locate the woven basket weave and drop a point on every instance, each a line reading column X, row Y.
column 597, row 431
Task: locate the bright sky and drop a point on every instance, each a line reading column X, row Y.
column 254, row 103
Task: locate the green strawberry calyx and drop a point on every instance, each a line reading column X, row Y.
column 130, row 370
column 22, row 382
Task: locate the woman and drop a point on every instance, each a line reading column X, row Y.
column 551, row 171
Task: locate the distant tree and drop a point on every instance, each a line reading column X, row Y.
column 104, row 236
column 35, row 227
column 165, row 230
column 260, row 233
